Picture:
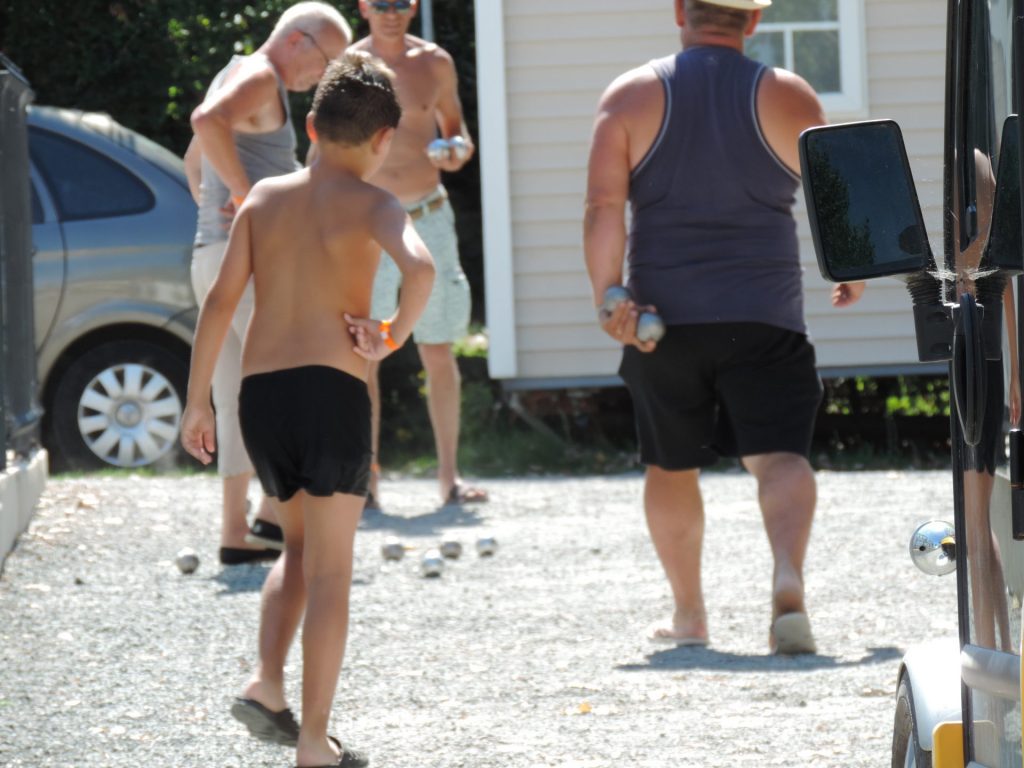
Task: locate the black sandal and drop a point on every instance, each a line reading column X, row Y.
column 241, row 555
column 347, row 758
column 275, row 727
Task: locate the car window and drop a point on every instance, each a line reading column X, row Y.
column 37, row 207
column 84, row 183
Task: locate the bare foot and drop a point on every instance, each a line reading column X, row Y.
column 787, row 593
column 683, row 629
column 270, row 696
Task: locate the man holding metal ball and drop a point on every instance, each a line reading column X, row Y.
column 426, row 83
column 703, row 146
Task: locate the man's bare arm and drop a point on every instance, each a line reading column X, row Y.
column 604, row 219
column 225, row 111
column 450, row 120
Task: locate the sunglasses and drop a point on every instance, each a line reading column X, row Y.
column 391, row 6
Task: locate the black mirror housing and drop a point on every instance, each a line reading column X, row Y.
column 865, row 217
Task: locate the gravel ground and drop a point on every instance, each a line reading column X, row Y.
column 534, row 657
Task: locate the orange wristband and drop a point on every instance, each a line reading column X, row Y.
column 238, row 200
column 385, row 334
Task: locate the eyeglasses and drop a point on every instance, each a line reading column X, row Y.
column 327, row 59
column 392, row 6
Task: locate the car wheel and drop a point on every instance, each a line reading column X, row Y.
column 118, row 405
column 906, row 748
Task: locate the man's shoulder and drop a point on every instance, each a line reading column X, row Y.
column 637, row 84
column 425, row 53
column 783, row 90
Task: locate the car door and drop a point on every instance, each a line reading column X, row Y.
column 983, row 262
column 49, row 264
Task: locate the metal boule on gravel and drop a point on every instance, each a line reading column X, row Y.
column 486, row 546
column 187, row 560
column 439, row 150
column 649, row 327
column 432, row 563
column 392, row 548
column 451, row 549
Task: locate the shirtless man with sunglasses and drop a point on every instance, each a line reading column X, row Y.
column 426, row 84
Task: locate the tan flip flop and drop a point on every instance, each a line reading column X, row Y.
column 791, row 634
column 661, row 634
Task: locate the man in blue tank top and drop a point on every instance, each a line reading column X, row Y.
column 703, row 147
column 244, row 133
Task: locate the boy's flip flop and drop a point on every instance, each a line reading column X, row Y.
column 265, row 725
column 242, row 556
column 347, row 758
column 791, row 634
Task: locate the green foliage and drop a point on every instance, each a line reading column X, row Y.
column 148, row 63
column 888, row 396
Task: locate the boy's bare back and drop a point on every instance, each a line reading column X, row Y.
column 314, row 252
column 311, row 242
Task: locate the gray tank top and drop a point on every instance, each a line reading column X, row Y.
column 713, row 238
column 262, row 155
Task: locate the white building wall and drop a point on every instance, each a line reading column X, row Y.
column 552, row 59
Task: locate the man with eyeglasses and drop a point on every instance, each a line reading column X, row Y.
column 243, row 133
column 427, row 90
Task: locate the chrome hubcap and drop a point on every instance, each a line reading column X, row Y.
column 129, row 415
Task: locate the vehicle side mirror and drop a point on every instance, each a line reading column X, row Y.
column 865, row 217
column 1003, row 250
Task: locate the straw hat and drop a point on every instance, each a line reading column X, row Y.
column 743, row 5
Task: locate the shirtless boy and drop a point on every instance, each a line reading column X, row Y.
column 311, row 240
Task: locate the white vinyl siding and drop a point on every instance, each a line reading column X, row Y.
column 558, row 56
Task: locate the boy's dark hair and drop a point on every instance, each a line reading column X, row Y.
column 706, row 15
column 355, row 99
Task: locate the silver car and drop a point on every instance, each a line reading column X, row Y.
column 112, row 225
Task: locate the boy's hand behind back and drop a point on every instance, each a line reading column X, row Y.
column 367, row 341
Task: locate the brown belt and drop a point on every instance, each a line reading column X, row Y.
column 428, row 206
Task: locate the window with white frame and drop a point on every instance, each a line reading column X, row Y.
column 820, row 40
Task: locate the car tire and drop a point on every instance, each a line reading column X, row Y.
column 906, row 747
column 118, row 405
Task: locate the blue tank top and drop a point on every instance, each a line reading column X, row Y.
column 712, row 237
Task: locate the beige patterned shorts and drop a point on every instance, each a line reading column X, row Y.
column 446, row 317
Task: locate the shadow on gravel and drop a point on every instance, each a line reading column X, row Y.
column 708, row 658
column 429, row 524
column 241, row 578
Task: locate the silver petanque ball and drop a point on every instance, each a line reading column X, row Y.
column 392, row 548
column 432, row 563
column 613, row 296
column 187, row 560
column 486, row 546
column 459, row 147
column 451, row 549
column 439, row 150
column 649, row 327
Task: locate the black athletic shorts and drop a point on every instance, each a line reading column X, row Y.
column 307, row 428
column 722, row 389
